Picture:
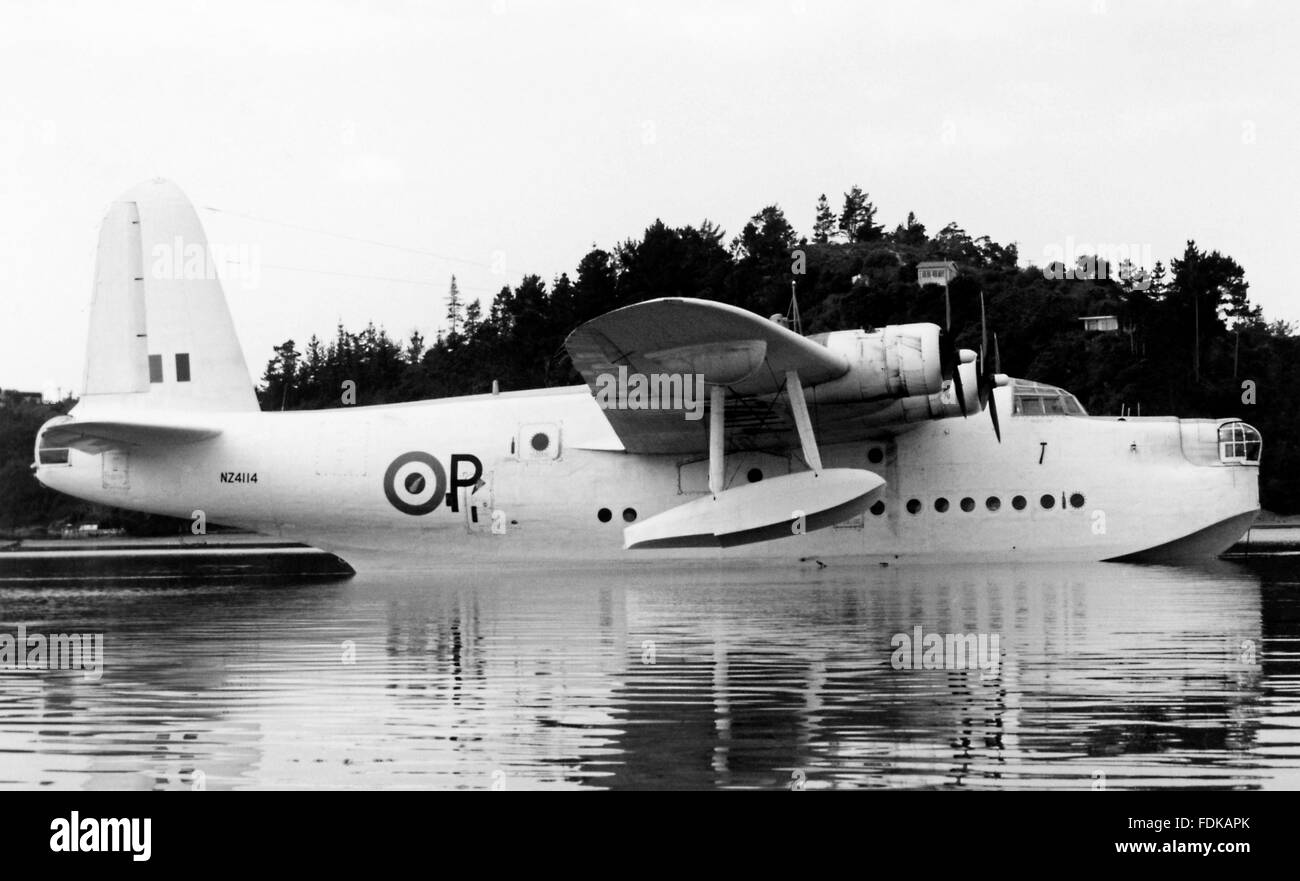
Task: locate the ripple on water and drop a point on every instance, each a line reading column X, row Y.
column 1105, row 675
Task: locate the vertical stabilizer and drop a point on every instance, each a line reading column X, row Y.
column 161, row 336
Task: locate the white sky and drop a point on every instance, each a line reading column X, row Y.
column 529, row 131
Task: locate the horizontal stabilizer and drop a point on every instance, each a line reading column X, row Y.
column 770, row 509
column 97, row 436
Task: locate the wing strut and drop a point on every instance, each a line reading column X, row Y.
column 799, row 407
column 717, row 438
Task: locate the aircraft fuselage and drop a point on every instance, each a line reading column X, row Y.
column 538, row 476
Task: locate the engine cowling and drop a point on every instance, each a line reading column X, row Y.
column 898, row 361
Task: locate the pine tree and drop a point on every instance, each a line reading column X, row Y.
column 858, row 217
column 1158, row 278
column 415, row 347
column 824, row 225
column 473, row 317
column 453, row 310
column 910, row 233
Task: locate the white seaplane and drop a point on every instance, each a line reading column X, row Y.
column 853, row 444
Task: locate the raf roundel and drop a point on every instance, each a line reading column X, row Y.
column 415, row 483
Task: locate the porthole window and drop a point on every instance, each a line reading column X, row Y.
column 604, row 515
column 1076, row 500
column 968, row 504
column 993, row 503
column 629, row 514
column 878, row 508
column 540, row 441
column 875, row 455
column 755, row 475
column 1048, row 500
column 913, row 506
column 941, row 504
column 1019, row 502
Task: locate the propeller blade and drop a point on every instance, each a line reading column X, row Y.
column 988, row 378
column 984, row 329
column 993, row 414
column 956, row 385
column 950, row 366
column 984, row 379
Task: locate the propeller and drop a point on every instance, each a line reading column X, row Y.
column 950, row 366
column 951, row 359
column 988, row 379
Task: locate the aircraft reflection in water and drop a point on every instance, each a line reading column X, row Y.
column 1108, row 674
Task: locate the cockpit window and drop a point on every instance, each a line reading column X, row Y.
column 1239, row 442
column 1037, row 399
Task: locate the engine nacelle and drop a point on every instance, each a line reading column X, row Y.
column 943, row 404
column 898, row 361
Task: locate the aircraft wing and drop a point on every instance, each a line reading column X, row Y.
column 726, row 345
column 97, row 436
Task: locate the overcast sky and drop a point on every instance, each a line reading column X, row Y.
column 518, row 134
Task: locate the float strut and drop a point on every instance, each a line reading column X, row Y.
column 799, row 406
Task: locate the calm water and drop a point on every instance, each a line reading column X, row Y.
column 1106, row 675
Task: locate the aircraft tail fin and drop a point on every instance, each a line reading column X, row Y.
column 161, row 336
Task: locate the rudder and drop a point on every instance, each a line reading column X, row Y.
column 161, row 335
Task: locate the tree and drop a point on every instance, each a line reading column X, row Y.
column 768, row 237
column 858, row 217
column 1212, row 287
column 953, row 243
column 281, row 374
column 453, row 312
column 824, row 224
column 473, row 317
column 414, row 347
column 912, row 233
column 668, row 262
column 596, row 289
column 1158, row 278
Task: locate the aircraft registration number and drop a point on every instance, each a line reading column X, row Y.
column 239, row 477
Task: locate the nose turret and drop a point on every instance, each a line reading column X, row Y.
column 47, row 454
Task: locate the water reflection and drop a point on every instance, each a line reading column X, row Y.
column 1106, row 675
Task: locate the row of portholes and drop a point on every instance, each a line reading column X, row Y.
column 992, row 503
